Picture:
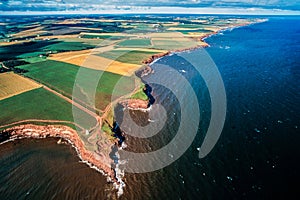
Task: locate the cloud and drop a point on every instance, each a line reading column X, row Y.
column 40, row 5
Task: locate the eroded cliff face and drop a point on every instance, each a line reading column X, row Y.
column 154, row 57
column 135, row 104
column 100, row 162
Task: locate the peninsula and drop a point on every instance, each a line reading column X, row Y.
column 41, row 56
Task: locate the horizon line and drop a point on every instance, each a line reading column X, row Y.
column 163, row 10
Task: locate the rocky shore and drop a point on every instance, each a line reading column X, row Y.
column 93, row 159
column 154, row 57
column 135, row 104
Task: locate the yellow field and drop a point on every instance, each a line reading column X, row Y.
column 105, row 64
column 78, row 57
column 213, row 28
column 65, row 56
column 13, row 42
column 30, row 32
column 74, row 36
column 166, row 35
column 112, row 34
column 68, row 21
column 200, row 21
column 171, row 24
column 181, row 29
column 86, row 59
column 12, row 84
column 196, row 34
column 172, row 39
column 139, row 49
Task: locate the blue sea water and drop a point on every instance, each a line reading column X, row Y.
column 256, row 157
column 260, row 140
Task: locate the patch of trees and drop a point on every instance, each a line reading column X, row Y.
column 10, row 65
column 14, row 63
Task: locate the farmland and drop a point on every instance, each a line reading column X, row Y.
column 61, row 77
column 171, row 45
column 87, row 59
column 36, row 48
column 135, row 43
column 54, row 65
column 38, row 104
column 126, row 56
column 52, row 50
column 12, row 84
column 102, row 36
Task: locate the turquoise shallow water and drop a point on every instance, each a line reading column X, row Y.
column 257, row 156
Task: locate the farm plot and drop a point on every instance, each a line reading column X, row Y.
column 109, row 65
column 127, row 56
column 86, row 59
column 39, row 104
column 61, row 77
column 173, row 44
column 102, row 36
column 12, row 84
column 135, row 43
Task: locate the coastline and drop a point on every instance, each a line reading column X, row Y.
column 61, row 132
column 70, row 135
column 154, row 58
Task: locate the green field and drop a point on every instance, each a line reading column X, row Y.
column 36, row 48
column 136, row 43
column 192, row 26
column 62, row 46
column 39, row 104
column 140, row 94
column 133, row 57
column 199, row 31
column 61, row 77
column 101, row 36
column 172, row 45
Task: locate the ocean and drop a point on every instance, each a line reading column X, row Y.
column 256, row 156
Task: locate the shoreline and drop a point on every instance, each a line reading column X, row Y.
column 72, row 137
column 62, row 132
column 154, row 58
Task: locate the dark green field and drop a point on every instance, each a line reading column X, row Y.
column 36, row 48
column 135, row 43
column 39, row 104
column 101, row 36
column 62, row 46
column 61, row 77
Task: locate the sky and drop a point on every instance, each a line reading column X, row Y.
column 156, row 6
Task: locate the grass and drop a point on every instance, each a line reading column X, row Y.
column 140, row 94
column 133, row 57
column 193, row 26
column 36, row 48
column 61, row 77
column 63, row 46
column 39, row 104
column 35, row 59
column 107, row 129
column 107, row 123
column 84, row 41
column 195, row 31
column 136, row 43
column 12, row 84
column 101, row 36
column 173, row 44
